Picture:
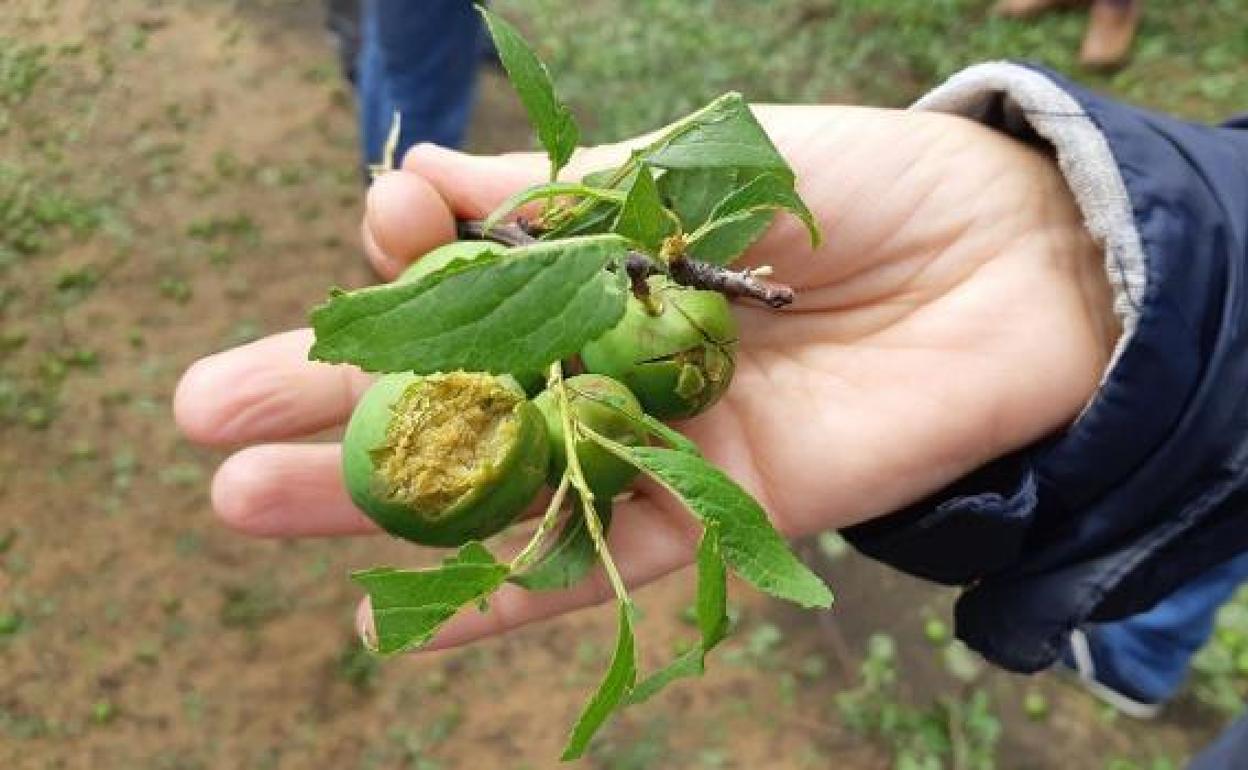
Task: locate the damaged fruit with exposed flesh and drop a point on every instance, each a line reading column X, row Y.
column 442, row 459
column 607, row 407
column 675, row 351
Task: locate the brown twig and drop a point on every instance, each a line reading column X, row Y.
column 683, row 270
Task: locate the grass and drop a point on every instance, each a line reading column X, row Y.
column 960, row 729
column 633, row 67
column 1220, row 670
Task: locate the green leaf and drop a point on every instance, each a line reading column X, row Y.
column 643, row 219
column 409, row 606
column 751, row 545
column 595, row 217
column 570, row 558
column 712, row 613
column 724, row 134
column 693, row 193
column 764, row 193
column 511, row 312
column 721, row 245
column 669, row 435
column 556, row 129
column 712, row 609
column 653, row 426
column 548, row 190
column 612, row 692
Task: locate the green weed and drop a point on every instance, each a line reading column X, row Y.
column 953, row 731
column 1220, row 670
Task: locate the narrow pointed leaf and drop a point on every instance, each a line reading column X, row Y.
column 556, row 128
column 673, row 438
column 612, row 692
column 642, row 218
column 570, row 558
column 750, row 544
column 712, row 608
column 409, row 606
column 712, row 614
column 513, row 312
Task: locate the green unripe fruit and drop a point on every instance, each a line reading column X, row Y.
column 443, row 459
column 677, row 362
column 936, row 632
column 445, row 255
column 1036, row 706
column 603, row 405
column 467, row 251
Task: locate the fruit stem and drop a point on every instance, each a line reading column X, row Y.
column 688, row 272
column 593, row 524
column 547, row 524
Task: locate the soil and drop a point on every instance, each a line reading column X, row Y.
column 215, row 141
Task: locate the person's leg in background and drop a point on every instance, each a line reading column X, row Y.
column 1111, row 30
column 1229, row 752
column 418, row 59
column 1111, row 26
column 1141, row 662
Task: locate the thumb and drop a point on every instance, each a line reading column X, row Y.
column 474, row 185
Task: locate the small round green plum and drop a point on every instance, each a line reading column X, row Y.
column 442, row 459
column 678, row 361
column 444, row 255
column 607, row 407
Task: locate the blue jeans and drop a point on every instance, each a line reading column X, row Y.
column 1229, row 752
column 1151, row 651
column 418, row 58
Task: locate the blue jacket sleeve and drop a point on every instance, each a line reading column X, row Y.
column 1149, row 487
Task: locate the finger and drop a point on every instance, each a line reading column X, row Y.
column 266, row 390
column 653, row 540
column 474, row 185
column 287, row 490
column 404, row 218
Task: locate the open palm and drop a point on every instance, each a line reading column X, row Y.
column 957, row 311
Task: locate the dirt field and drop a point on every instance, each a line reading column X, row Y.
column 178, row 177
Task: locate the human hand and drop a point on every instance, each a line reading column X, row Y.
column 957, row 310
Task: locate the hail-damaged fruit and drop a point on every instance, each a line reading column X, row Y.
column 443, row 459
column 676, row 352
column 607, row 407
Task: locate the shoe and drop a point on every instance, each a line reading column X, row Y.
column 1111, row 30
column 1026, row 9
column 1080, row 657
